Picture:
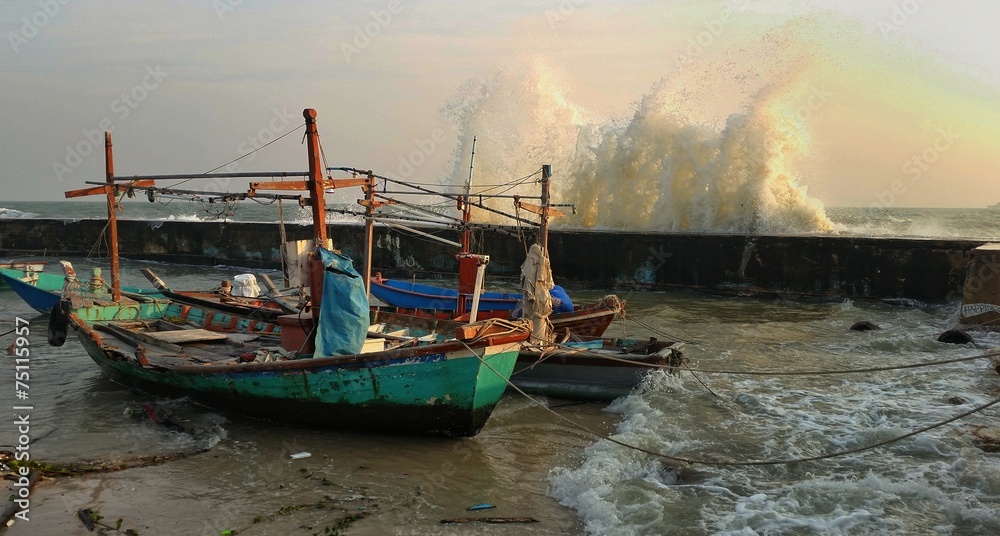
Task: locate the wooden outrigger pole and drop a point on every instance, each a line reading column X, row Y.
column 543, row 228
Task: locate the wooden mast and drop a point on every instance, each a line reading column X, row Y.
column 317, row 201
column 370, row 206
column 111, row 191
column 467, row 268
column 315, row 181
column 543, row 227
column 467, row 207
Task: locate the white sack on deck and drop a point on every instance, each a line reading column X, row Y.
column 245, row 285
column 536, row 281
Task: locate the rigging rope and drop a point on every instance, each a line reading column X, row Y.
column 101, row 238
column 243, row 156
column 284, row 239
column 657, row 331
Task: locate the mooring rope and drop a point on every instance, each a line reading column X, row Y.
column 583, row 352
column 655, row 330
column 719, row 463
column 850, row 371
column 695, row 376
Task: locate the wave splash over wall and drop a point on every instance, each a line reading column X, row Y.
column 676, row 164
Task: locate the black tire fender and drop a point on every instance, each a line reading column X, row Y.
column 58, row 323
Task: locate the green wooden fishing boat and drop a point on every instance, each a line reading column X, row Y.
column 322, row 370
column 447, row 388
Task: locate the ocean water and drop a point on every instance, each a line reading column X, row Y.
column 545, row 458
column 974, row 223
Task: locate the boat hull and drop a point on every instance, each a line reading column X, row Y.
column 611, row 369
column 38, row 296
column 578, row 378
column 587, row 321
column 592, row 374
column 450, row 393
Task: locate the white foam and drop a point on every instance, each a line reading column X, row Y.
column 9, row 213
column 937, row 481
column 660, row 169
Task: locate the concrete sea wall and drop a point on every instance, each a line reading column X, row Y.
column 931, row 270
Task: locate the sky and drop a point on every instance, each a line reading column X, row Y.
column 851, row 103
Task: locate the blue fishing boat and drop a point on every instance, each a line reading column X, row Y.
column 411, row 295
column 20, row 269
column 38, row 296
column 44, row 290
column 456, row 303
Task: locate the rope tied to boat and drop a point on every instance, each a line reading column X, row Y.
column 614, row 303
column 489, row 327
column 626, row 316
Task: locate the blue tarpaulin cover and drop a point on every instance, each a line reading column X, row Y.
column 343, row 316
column 565, row 305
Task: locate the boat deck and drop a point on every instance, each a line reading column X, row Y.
column 167, row 345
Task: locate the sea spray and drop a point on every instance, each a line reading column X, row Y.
column 729, row 138
column 657, row 170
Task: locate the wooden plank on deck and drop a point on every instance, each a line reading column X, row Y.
column 182, row 336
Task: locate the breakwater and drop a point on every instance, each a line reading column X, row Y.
column 931, row 270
